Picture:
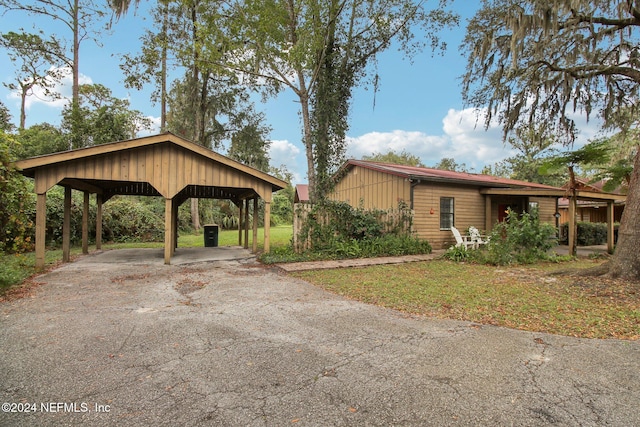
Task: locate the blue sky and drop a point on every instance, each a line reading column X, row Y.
column 418, row 107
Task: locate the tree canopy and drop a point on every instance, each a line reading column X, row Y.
column 535, row 61
column 450, row 164
column 391, row 156
column 321, row 50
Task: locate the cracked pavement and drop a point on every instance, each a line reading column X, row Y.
column 233, row 343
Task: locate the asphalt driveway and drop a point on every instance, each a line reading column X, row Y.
column 229, row 342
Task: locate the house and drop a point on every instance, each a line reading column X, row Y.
column 442, row 199
column 302, row 194
column 591, row 210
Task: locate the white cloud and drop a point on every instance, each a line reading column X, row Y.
column 470, row 142
column 155, row 127
column 282, row 152
column 63, row 87
column 413, row 142
column 464, row 139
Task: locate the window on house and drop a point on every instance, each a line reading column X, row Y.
column 446, row 213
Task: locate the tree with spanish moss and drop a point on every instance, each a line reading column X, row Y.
column 536, row 61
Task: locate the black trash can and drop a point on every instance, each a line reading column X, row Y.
column 211, row 236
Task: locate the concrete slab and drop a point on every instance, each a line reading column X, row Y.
column 582, row 250
column 152, row 256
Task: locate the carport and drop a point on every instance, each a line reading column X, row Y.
column 609, row 198
column 160, row 165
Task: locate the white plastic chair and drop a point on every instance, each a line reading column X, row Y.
column 462, row 241
column 477, row 238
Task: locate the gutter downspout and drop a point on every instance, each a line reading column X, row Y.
column 414, row 183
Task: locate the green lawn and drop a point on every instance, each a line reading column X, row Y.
column 520, row 297
column 280, row 236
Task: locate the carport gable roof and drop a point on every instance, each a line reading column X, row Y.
column 29, row 167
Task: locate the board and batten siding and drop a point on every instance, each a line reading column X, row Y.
column 167, row 167
column 370, row 189
column 468, row 205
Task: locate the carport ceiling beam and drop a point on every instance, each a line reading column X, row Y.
column 132, row 189
column 81, row 185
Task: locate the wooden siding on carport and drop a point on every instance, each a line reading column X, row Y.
column 370, row 189
column 468, row 211
column 167, row 167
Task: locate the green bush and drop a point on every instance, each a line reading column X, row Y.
column 17, row 203
column 55, row 216
column 337, row 230
column 589, row 233
column 521, row 239
column 457, row 253
column 126, row 220
column 329, row 222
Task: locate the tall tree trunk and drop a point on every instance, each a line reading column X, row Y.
column 195, row 216
column 76, row 53
column 303, row 95
column 76, row 140
column 573, row 250
column 163, row 76
column 197, row 135
column 625, row 262
column 308, row 144
column 23, row 106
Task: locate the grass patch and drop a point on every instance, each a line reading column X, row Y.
column 524, row 297
column 16, row 268
column 279, row 236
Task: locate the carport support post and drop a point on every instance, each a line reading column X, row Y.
column 85, row 223
column 168, row 230
column 246, row 223
column 98, row 221
column 267, row 226
column 176, row 207
column 572, row 226
column 255, row 225
column 610, row 231
column 240, row 206
column 66, row 226
column 41, row 228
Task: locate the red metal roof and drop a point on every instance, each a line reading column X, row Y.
column 430, row 174
column 597, row 186
column 302, row 193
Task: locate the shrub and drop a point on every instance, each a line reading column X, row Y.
column 337, row 230
column 589, row 233
column 55, row 216
column 127, row 220
column 520, row 239
column 457, row 253
column 330, row 221
column 17, row 203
